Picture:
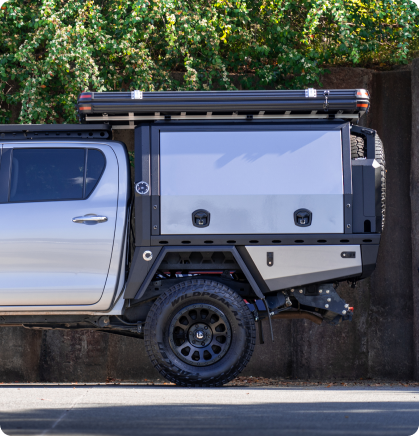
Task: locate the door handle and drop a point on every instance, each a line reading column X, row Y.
column 90, row 219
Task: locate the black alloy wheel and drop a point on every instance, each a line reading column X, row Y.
column 200, row 333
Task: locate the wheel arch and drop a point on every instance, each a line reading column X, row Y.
column 143, row 269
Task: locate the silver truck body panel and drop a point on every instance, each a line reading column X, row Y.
column 301, row 265
column 47, row 262
column 251, row 182
column 116, row 303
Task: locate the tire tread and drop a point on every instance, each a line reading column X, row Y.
column 358, row 151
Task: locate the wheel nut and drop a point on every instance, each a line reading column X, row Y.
column 193, row 342
column 202, row 343
column 206, row 328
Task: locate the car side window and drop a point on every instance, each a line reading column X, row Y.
column 95, row 167
column 51, row 174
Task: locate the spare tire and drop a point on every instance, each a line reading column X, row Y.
column 381, row 159
column 358, row 151
column 357, row 147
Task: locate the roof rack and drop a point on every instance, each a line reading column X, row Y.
column 130, row 108
column 33, row 131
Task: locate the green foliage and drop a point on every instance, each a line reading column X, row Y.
column 51, row 50
column 131, row 156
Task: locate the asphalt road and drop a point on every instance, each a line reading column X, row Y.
column 169, row 410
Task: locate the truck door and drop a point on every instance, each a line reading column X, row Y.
column 58, row 206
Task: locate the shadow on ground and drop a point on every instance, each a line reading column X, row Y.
column 167, row 411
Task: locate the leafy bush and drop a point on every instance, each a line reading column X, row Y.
column 51, row 50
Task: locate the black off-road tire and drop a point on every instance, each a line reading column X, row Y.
column 358, row 151
column 381, row 159
column 186, row 296
column 357, row 147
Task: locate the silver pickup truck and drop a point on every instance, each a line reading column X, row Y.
column 245, row 206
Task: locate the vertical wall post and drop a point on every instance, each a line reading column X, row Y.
column 390, row 317
column 414, row 199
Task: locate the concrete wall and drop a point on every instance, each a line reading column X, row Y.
column 381, row 342
column 414, row 205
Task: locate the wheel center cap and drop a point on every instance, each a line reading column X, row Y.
column 200, row 335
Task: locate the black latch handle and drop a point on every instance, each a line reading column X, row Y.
column 201, row 218
column 302, row 217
